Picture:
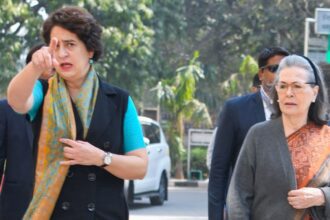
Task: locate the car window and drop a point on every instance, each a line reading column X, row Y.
column 152, row 132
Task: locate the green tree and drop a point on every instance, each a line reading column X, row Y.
column 177, row 96
column 240, row 83
column 127, row 41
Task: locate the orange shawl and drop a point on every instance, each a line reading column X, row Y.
column 310, row 155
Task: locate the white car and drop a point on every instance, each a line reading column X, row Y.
column 155, row 183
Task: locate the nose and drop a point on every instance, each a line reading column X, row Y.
column 62, row 52
column 289, row 91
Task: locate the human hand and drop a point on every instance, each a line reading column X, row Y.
column 43, row 60
column 306, row 197
column 47, row 74
column 81, row 153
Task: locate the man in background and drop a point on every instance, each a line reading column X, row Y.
column 236, row 118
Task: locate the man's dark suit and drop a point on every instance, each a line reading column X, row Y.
column 16, row 148
column 236, row 118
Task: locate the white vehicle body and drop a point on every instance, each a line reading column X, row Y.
column 155, row 183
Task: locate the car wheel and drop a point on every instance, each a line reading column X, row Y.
column 162, row 192
column 130, row 193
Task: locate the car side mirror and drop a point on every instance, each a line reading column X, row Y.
column 146, row 140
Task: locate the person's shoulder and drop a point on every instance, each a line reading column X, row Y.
column 267, row 127
column 112, row 89
column 7, row 110
column 3, row 102
column 4, row 105
column 242, row 100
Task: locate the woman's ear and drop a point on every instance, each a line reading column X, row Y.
column 91, row 54
column 315, row 91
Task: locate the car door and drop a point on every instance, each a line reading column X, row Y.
column 154, row 150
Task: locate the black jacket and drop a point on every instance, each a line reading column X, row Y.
column 16, row 148
column 90, row 192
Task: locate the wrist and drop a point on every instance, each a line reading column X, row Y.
column 100, row 158
column 106, row 159
column 35, row 70
column 320, row 198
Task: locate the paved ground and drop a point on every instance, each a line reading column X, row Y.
column 185, row 203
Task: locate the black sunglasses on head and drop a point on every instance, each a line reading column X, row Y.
column 271, row 68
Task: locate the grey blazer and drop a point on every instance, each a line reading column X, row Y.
column 264, row 175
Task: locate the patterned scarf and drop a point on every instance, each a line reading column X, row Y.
column 58, row 121
column 310, row 154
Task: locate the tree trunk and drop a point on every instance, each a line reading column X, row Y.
column 180, row 130
column 179, row 170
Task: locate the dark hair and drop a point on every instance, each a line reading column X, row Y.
column 256, row 81
column 270, row 52
column 78, row 21
column 318, row 110
column 32, row 51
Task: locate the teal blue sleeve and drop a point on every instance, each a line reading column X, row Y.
column 38, row 97
column 133, row 136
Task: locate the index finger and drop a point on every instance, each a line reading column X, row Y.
column 293, row 192
column 68, row 141
column 53, row 44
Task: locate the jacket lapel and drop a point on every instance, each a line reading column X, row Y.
column 104, row 110
column 259, row 107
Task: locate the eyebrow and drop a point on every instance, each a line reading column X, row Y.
column 68, row 41
column 290, row 82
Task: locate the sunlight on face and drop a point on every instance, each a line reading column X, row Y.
column 71, row 54
column 295, row 92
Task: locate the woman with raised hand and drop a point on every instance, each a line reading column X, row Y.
column 89, row 137
column 283, row 170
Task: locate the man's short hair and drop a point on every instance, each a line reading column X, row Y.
column 270, row 52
